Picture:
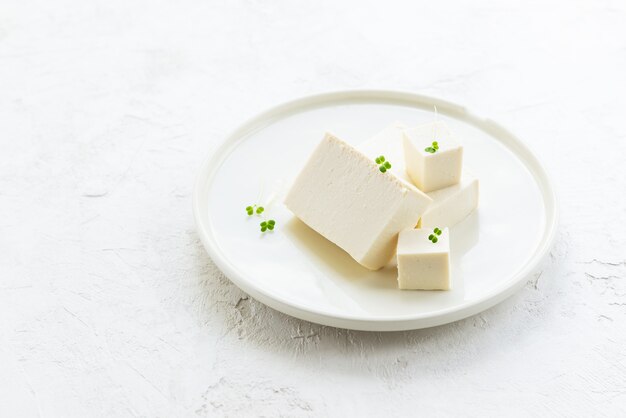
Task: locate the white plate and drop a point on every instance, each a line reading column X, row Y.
column 296, row 271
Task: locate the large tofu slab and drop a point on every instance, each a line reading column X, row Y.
column 341, row 194
column 423, row 264
column 452, row 204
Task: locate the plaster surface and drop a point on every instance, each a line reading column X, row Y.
column 109, row 305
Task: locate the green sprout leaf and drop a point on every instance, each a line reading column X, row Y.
column 433, row 237
column 264, row 224
column 433, row 148
column 383, row 164
column 251, row 210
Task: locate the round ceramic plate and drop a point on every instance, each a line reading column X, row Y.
column 298, row 272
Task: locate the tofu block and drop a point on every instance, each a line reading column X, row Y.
column 451, row 204
column 341, row 194
column 432, row 171
column 388, row 142
column 422, row 264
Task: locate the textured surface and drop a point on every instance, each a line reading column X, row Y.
column 109, row 305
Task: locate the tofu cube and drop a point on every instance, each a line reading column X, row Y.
column 388, row 142
column 432, row 170
column 422, row 263
column 342, row 194
column 451, row 204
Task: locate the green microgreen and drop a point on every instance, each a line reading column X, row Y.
column 383, row 164
column 265, row 225
column 250, row 210
column 433, row 237
column 433, row 148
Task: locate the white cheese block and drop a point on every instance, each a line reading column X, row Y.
column 451, row 204
column 432, row 171
column 422, row 264
column 341, row 194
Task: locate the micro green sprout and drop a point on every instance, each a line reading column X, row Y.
column 383, row 165
column 265, row 225
column 250, row 210
column 433, row 148
column 433, row 237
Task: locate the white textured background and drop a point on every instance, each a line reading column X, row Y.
column 109, row 305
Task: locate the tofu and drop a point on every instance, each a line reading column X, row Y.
column 452, row 204
column 422, row 264
column 388, row 142
column 341, row 194
column 432, row 171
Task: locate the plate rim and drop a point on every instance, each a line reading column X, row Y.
column 494, row 296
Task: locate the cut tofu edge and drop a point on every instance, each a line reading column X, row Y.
column 341, row 194
column 422, row 264
column 452, row 204
column 405, row 215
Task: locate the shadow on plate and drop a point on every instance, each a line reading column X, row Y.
column 323, row 251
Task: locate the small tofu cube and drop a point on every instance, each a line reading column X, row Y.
column 422, row 263
column 342, row 194
column 451, row 204
column 432, row 170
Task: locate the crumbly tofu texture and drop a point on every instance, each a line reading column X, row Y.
column 452, row 204
column 432, row 171
column 341, row 194
column 422, row 264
